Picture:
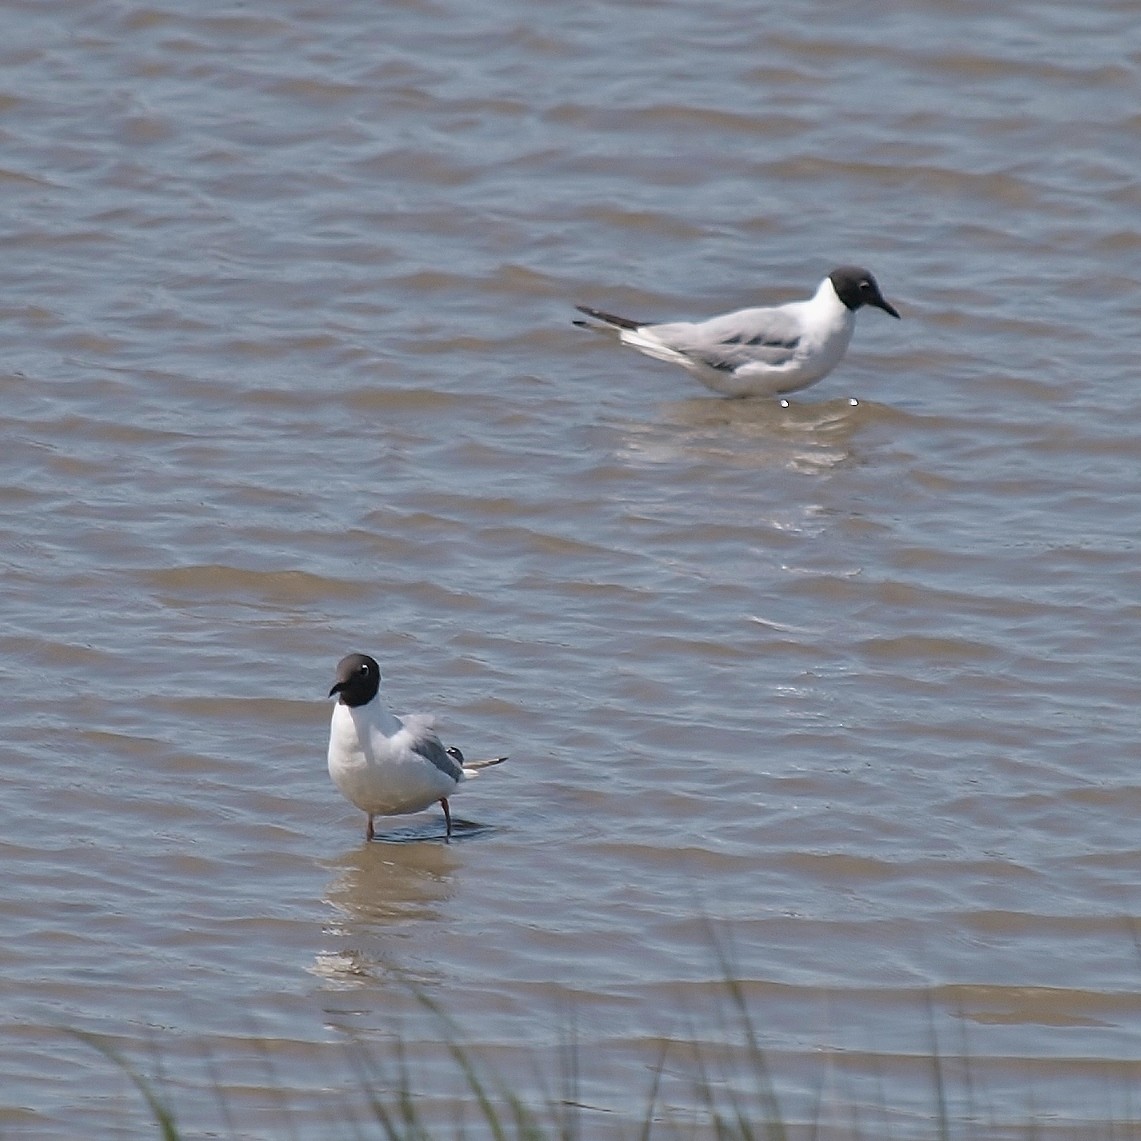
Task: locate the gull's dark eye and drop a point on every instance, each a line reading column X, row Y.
column 363, row 669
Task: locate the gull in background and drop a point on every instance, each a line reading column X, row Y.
column 388, row 765
column 758, row 352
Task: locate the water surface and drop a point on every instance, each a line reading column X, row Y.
column 838, row 699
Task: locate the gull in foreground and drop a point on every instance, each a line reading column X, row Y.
column 758, row 352
column 387, row 765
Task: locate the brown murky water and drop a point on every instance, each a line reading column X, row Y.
column 846, row 695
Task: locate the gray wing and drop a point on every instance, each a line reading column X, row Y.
column 770, row 336
column 426, row 744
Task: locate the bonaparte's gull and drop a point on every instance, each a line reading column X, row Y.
column 387, row 765
column 758, row 352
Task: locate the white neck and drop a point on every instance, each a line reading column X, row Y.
column 826, row 297
column 377, row 715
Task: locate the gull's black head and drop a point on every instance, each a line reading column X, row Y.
column 455, row 754
column 357, row 680
column 856, row 287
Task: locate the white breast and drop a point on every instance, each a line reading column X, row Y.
column 372, row 763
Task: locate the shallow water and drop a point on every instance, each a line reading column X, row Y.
column 839, row 700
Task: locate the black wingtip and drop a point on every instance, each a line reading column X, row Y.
column 609, row 318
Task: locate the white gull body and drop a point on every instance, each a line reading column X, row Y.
column 384, row 764
column 760, row 351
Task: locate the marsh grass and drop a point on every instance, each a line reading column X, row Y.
column 160, row 1110
column 391, row 1106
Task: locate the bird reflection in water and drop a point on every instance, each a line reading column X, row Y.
column 804, row 437
column 377, row 891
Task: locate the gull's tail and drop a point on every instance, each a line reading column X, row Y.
column 472, row 767
column 484, row 764
column 610, row 323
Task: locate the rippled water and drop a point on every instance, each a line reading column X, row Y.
column 839, row 700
